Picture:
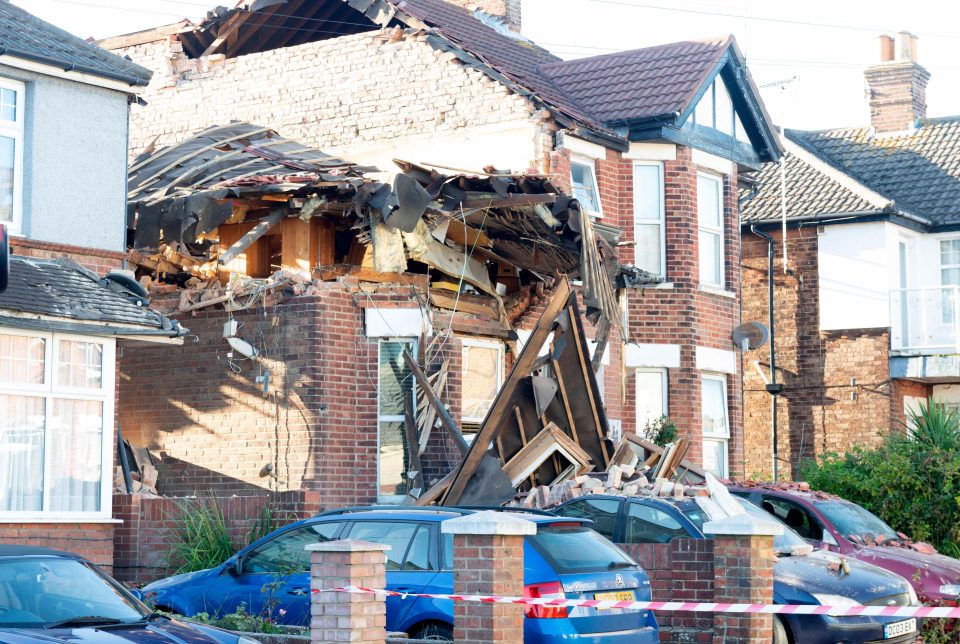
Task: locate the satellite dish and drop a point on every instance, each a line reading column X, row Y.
column 750, row 335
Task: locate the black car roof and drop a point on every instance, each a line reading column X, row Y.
column 10, row 550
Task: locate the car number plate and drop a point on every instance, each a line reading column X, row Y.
column 899, row 628
column 619, row 596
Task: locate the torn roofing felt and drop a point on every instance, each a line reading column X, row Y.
column 63, row 291
column 23, row 35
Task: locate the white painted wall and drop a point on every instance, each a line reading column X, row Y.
column 853, row 265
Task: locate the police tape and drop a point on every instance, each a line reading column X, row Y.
column 696, row 607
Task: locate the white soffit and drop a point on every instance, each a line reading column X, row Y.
column 707, row 161
column 583, row 148
column 651, row 152
column 394, row 323
column 653, row 355
column 719, row 360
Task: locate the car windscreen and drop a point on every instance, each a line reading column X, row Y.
column 38, row 592
column 851, row 520
column 783, row 544
column 574, row 548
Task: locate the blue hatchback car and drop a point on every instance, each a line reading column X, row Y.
column 799, row 575
column 564, row 559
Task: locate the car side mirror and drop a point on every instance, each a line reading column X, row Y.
column 136, row 592
column 233, row 566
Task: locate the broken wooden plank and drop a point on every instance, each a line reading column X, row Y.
column 510, row 201
column 411, row 444
column 500, row 408
column 226, row 30
column 477, row 305
column 445, row 420
column 546, row 443
column 422, row 247
column 258, row 231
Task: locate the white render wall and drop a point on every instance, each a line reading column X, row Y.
column 855, row 273
column 75, row 162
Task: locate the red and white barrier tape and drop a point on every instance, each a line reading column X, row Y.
column 697, row 607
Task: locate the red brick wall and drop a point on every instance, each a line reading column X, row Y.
column 91, row 540
column 681, row 570
column 142, row 544
column 94, row 259
column 898, row 95
column 214, row 429
column 901, row 389
column 837, row 388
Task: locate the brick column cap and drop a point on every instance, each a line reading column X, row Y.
column 489, row 522
column 743, row 524
column 347, row 545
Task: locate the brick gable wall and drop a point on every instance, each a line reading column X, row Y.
column 838, row 393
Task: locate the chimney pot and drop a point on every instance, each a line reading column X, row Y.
column 886, row 48
column 906, row 47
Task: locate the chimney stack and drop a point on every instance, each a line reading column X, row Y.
column 897, row 86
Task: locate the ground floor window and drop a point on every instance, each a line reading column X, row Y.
column 482, row 377
column 651, row 397
column 716, row 425
column 56, row 420
column 395, row 393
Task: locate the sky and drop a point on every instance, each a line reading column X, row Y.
column 820, row 46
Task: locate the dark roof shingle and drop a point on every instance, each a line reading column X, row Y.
column 63, row 289
column 23, row 35
column 919, row 171
column 639, row 83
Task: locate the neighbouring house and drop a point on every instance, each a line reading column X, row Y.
column 867, row 311
column 651, row 142
column 63, row 166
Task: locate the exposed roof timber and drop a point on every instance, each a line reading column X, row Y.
column 227, row 29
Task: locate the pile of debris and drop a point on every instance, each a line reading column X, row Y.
column 786, row 486
column 136, row 473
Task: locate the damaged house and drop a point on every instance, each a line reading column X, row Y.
column 650, row 142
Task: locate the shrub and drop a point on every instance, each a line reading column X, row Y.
column 262, row 526
column 934, row 425
column 660, row 431
column 201, row 538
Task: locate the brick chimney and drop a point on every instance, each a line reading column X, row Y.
column 506, row 10
column 897, row 87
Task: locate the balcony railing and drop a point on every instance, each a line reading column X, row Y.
column 925, row 320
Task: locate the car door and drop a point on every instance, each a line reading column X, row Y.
column 272, row 579
column 801, row 519
column 411, row 561
column 602, row 511
column 648, row 522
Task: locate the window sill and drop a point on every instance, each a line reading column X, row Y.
column 47, row 519
column 717, row 290
column 663, row 286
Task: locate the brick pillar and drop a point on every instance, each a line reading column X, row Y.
column 345, row 617
column 488, row 560
column 743, row 574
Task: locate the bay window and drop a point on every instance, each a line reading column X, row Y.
column 716, row 425
column 648, row 218
column 11, row 152
column 710, row 229
column 56, row 425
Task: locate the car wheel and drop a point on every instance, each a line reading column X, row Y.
column 436, row 631
column 779, row 632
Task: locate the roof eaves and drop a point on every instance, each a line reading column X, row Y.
column 130, row 79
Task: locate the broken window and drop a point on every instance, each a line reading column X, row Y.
column 710, row 223
column 11, row 152
column 482, row 377
column 716, row 428
column 56, row 408
column 395, row 393
column 648, row 225
column 583, row 178
column 651, row 396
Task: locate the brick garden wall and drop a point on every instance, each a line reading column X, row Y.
column 681, row 570
column 142, row 544
column 91, row 540
column 837, row 386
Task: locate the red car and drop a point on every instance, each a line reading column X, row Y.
column 835, row 524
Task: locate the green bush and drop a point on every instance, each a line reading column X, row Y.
column 660, row 431
column 201, row 538
column 912, row 481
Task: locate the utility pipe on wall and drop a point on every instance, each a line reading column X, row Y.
column 773, row 387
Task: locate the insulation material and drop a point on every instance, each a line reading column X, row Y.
column 387, row 242
column 422, row 247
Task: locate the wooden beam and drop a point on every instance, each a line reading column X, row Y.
column 548, row 442
column 510, row 201
column 585, row 369
column 413, row 447
column 370, row 275
column 261, row 228
column 285, row 35
column 501, row 406
column 564, row 397
column 253, row 28
column 445, row 420
column 226, row 30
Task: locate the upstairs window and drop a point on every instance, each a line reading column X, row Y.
column 648, row 218
column 710, row 228
column 583, row 178
column 482, row 377
column 11, row 153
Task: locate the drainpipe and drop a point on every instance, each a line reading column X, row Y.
column 773, row 387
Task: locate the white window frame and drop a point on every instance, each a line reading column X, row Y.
column 592, row 164
column 660, row 220
column 15, row 131
column 49, row 390
column 664, row 387
column 486, row 344
column 713, row 230
column 947, row 303
column 391, row 418
column 713, row 437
